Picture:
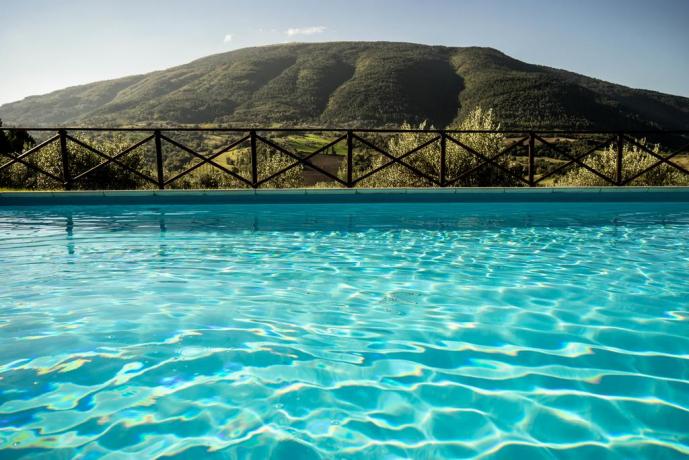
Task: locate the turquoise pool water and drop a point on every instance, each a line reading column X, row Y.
column 514, row 330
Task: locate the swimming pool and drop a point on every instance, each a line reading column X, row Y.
column 348, row 330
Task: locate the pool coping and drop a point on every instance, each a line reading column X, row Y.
column 357, row 195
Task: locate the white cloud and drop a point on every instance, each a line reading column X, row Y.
column 228, row 38
column 305, row 30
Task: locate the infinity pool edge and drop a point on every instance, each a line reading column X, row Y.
column 305, row 196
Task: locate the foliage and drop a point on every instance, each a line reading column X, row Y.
column 634, row 161
column 15, row 141
column 460, row 163
column 458, row 159
column 113, row 176
column 269, row 162
column 49, row 158
column 487, row 144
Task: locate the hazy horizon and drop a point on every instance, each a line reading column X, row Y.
column 629, row 43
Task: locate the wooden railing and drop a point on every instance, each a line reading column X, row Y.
column 525, row 141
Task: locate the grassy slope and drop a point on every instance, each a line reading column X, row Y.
column 354, row 84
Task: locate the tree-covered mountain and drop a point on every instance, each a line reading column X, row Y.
column 365, row 84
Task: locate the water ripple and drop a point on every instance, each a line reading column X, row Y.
column 357, row 331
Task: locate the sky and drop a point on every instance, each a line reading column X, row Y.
column 47, row 45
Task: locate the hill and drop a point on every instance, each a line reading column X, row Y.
column 364, row 84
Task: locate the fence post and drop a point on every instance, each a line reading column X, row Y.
column 159, row 159
column 532, row 158
column 350, row 157
column 64, row 153
column 254, row 160
column 618, row 166
column 443, row 158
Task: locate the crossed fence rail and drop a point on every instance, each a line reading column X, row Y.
column 523, row 139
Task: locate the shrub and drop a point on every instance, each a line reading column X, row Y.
column 269, row 162
column 113, row 177
column 458, row 159
column 48, row 158
column 634, row 161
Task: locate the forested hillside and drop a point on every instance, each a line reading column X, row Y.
column 354, row 84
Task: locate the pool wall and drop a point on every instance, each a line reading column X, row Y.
column 469, row 195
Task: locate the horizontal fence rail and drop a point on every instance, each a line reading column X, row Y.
column 528, row 145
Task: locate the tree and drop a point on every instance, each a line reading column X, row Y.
column 634, row 161
column 458, row 159
column 48, row 158
column 14, row 141
column 269, row 162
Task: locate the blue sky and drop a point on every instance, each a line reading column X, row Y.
column 50, row 44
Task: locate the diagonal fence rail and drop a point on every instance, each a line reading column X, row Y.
column 529, row 145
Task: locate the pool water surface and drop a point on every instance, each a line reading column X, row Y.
column 407, row 330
